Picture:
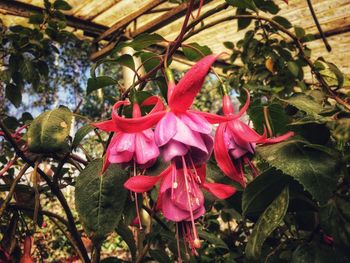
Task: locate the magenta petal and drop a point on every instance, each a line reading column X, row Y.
column 185, row 135
column 170, row 210
column 278, row 138
column 141, row 183
column 221, row 191
column 243, row 132
column 165, row 129
column 214, row 118
column 125, row 142
column 186, row 90
column 173, row 149
column 108, row 126
column 196, row 122
column 223, row 158
column 198, row 156
column 146, row 149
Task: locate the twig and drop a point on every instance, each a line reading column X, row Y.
column 55, row 190
column 319, row 28
column 59, row 168
column 8, row 166
column 42, row 212
column 78, row 159
column 12, row 188
column 37, row 195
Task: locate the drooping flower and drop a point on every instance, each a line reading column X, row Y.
column 235, row 141
column 129, row 147
column 180, row 197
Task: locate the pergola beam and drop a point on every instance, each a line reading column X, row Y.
column 126, row 20
column 26, row 10
column 152, row 26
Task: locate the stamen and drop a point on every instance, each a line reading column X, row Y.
column 137, row 202
column 251, row 166
column 189, row 200
column 195, row 172
column 173, row 180
column 178, row 243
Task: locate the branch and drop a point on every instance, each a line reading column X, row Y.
column 12, row 188
column 54, row 189
column 319, row 28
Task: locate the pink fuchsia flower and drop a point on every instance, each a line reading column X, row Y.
column 130, row 146
column 180, row 196
column 235, row 141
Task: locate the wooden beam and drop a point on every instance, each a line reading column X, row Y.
column 125, row 21
column 157, row 23
column 26, row 10
column 164, row 19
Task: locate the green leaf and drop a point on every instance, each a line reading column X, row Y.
column 61, row 5
column 127, row 61
column 282, row 21
column 128, row 237
column 299, row 31
column 267, row 223
column 278, row 119
column 36, row 19
column 243, row 4
column 267, row 6
column 149, row 60
column 229, row 45
column 144, row 40
column 339, row 75
column 14, row 94
column 98, row 83
column 317, row 170
column 243, row 22
column 262, row 191
column 159, row 255
column 195, row 51
column 100, row 199
column 293, row 68
column 212, row 239
column 80, row 134
column 48, row 132
column 305, row 103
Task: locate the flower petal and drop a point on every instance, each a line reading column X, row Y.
column 196, row 122
column 108, row 126
column 156, row 101
column 145, row 148
column 188, row 137
column 188, row 87
column 242, row 132
column 223, row 158
column 131, row 125
column 141, row 183
column 278, row 138
column 221, row 191
column 165, row 129
column 170, row 210
column 172, row 149
column 214, row 118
